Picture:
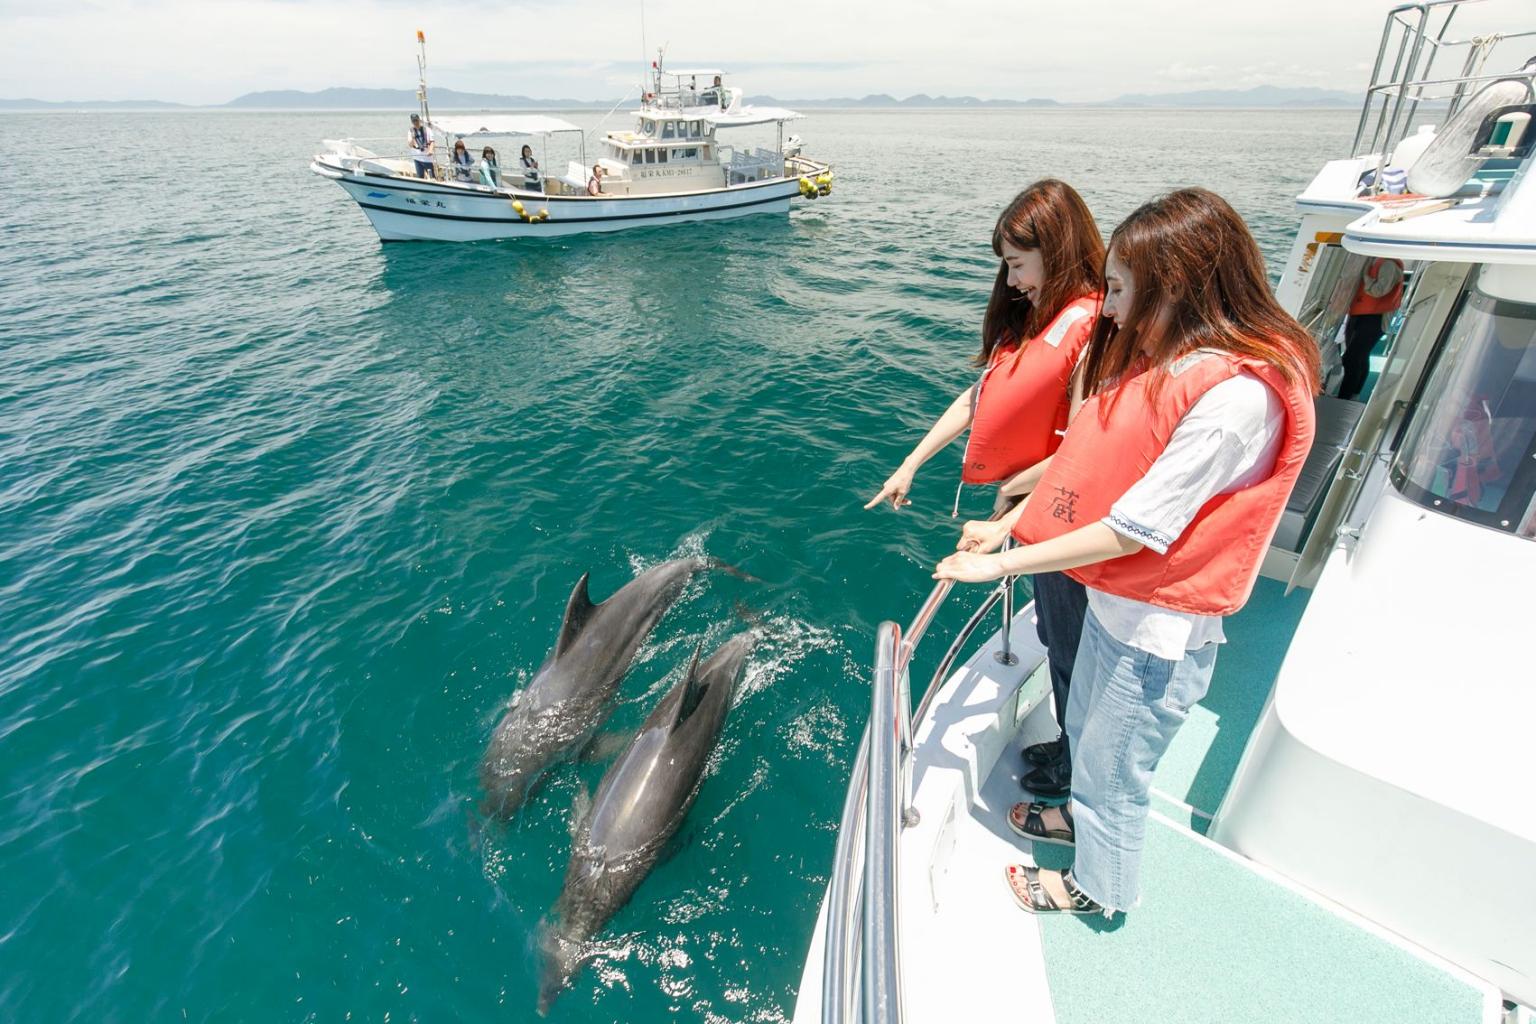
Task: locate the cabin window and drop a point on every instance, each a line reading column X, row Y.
column 695, row 128
column 1470, row 450
column 661, row 156
column 650, row 156
column 666, row 129
column 648, row 126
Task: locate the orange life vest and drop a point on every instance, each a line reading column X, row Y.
column 1211, row 567
column 1020, row 407
column 1365, row 303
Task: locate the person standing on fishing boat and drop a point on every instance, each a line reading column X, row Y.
column 1378, row 295
column 1161, row 500
column 422, row 147
column 1045, row 301
column 530, row 169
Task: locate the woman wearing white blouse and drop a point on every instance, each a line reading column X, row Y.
column 1161, row 500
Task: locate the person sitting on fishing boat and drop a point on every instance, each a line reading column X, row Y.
column 422, row 147
column 1044, row 303
column 490, row 170
column 595, row 183
column 463, row 163
column 1161, row 500
column 530, row 169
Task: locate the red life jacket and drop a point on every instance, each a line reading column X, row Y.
column 1211, row 567
column 1020, row 408
column 1364, row 302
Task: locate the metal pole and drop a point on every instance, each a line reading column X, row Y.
column 1429, row 66
column 1365, row 111
column 421, row 89
column 845, row 901
column 883, row 814
column 1005, row 655
column 1397, row 108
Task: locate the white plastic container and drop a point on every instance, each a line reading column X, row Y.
column 1411, row 148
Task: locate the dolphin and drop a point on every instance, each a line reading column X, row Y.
column 639, row 805
column 569, row 696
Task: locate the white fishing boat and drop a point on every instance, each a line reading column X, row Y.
column 669, row 168
column 1345, row 830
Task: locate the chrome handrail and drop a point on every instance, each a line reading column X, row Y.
column 954, row 652
column 861, row 958
column 1419, row 43
column 888, row 739
column 843, row 935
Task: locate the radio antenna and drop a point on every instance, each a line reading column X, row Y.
column 645, row 51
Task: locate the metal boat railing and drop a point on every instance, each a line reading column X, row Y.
column 1415, row 35
column 861, row 966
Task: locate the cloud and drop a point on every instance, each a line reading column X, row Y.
column 194, row 51
column 1180, row 72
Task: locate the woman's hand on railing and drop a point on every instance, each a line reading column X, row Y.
column 982, row 535
column 895, row 489
column 969, row 567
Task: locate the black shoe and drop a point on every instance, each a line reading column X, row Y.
column 1041, row 754
column 1049, row 780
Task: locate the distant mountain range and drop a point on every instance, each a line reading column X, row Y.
column 452, row 99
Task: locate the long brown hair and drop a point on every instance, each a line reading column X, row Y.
column 1051, row 217
column 1198, row 282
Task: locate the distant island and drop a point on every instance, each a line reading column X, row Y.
column 340, row 98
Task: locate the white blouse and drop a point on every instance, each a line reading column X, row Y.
column 1228, row 440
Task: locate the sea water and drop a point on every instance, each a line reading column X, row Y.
column 289, row 515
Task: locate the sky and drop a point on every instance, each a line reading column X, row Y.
column 210, row 51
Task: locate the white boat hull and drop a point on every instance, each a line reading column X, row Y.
column 404, row 209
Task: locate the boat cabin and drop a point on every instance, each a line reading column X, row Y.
column 666, row 152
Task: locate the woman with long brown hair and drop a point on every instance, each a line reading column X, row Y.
column 1161, row 501
column 1044, row 303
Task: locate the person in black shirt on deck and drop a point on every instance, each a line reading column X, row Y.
column 530, row 169
column 420, row 141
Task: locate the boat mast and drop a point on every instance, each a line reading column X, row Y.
column 645, row 51
column 421, row 77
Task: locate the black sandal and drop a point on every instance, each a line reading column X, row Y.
column 1032, row 825
column 1037, row 899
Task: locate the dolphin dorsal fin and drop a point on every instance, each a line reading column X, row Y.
column 693, row 690
column 577, row 610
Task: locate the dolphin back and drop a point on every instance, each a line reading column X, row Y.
column 640, row 804
column 570, row 696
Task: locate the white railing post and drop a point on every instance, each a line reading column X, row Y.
column 845, row 901
column 883, row 822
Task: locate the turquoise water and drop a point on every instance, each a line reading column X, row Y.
column 289, row 515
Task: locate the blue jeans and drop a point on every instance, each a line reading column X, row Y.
column 1125, row 708
column 424, row 169
column 1060, row 604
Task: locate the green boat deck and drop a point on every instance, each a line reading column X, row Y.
column 1214, row 939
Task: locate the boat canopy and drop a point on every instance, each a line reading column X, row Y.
column 750, row 115
column 469, row 126
column 692, row 72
